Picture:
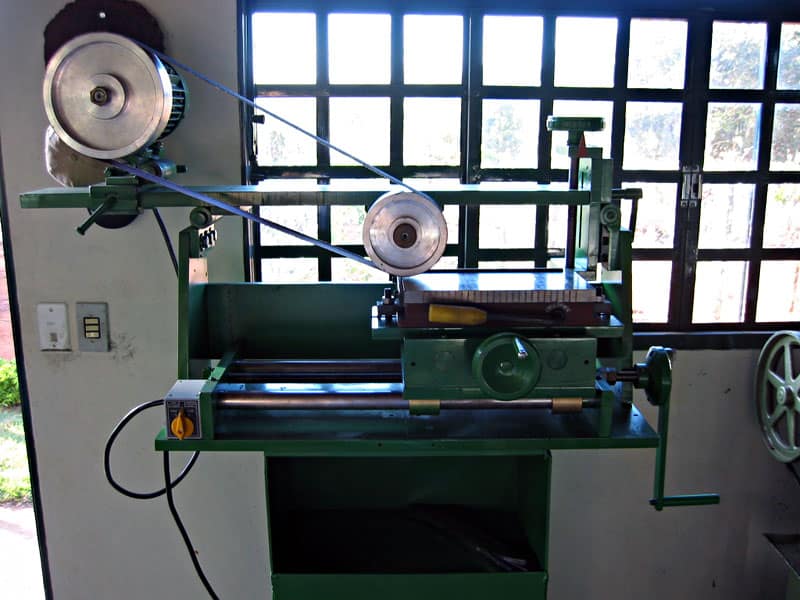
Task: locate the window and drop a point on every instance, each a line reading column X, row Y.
column 463, row 95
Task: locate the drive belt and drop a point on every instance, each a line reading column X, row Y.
column 237, row 211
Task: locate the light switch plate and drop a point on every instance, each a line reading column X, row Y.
column 92, row 322
column 53, row 326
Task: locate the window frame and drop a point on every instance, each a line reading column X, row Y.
column 694, row 98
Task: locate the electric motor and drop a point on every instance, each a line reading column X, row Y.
column 107, row 97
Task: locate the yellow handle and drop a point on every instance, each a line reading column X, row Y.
column 182, row 426
column 456, row 315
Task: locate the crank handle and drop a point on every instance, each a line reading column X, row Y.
column 96, row 214
column 685, row 500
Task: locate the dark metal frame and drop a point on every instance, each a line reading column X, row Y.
column 27, row 422
column 694, row 98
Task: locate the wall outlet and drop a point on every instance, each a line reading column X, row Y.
column 53, row 326
column 92, row 321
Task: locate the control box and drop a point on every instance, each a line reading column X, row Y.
column 182, row 405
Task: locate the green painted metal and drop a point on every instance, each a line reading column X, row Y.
column 381, row 330
column 443, row 368
column 575, row 124
column 655, row 377
column 386, row 586
column 130, row 199
column 191, row 297
column 292, row 435
column 777, row 395
column 207, row 401
column 507, row 367
column 433, row 527
column 324, row 320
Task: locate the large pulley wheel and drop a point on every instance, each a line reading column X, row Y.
column 107, row 97
column 778, row 395
column 405, row 233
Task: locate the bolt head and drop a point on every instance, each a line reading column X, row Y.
column 99, row 96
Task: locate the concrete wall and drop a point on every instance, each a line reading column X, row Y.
column 605, row 539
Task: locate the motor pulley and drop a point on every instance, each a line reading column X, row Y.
column 107, row 97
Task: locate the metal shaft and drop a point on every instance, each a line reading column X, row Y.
column 389, row 401
column 313, row 401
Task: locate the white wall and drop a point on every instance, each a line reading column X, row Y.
column 605, row 539
column 101, row 544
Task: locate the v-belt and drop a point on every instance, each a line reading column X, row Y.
column 235, row 210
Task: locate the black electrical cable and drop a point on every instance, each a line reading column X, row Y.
column 168, row 485
column 110, row 443
column 167, row 241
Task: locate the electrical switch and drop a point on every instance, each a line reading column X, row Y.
column 53, row 326
column 182, row 426
column 92, row 319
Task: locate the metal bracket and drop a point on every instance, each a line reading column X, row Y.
column 692, row 187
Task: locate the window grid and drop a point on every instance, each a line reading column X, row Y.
column 694, row 100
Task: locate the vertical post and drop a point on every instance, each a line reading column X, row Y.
column 575, row 144
column 188, row 248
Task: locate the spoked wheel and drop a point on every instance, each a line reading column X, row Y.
column 778, row 395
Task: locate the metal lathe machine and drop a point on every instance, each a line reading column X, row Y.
column 406, row 427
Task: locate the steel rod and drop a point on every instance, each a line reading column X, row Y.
column 394, row 401
column 313, row 401
column 317, row 366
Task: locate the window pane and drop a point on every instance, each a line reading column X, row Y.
column 651, row 282
column 786, row 137
column 655, row 215
column 557, row 227
column 510, row 137
column 507, row 265
column 737, row 55
column 451, row 218
column 657, row 56
column 782, row 224
column 726, row 214
column 447, row 263
column 512, row 50
column 359, row 48
column 779, row 291
column 431, row 131
column 732, row 136
column 289, row 270
column 284, row 48
column 433, row 49
column 346, row 223
column 299, row 218
column 279, row 144
column 580, row 108
column 789, row 61
column 507, row 226
column 344, row 269
column 652, row 135
column 719, row 292
column 579, row 66
column 360, row 126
